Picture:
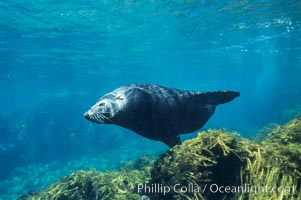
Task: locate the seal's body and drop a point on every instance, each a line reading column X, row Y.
column 157, row 112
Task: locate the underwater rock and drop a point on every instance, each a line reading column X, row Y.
column 200, row 168
column 285, row 142
column 140, row 163
column 217, row 159
column 286, row 134
column 214, row 157
column 263, row 132
column 94, row 185
column 275, row 167
column 291, row 112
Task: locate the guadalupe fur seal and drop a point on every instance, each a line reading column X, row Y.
column 157, row 112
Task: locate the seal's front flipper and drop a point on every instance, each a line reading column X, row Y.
column 218, row 97
column 172, row 141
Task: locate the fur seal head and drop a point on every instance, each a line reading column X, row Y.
column 104, row 111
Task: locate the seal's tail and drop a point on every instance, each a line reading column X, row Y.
column 219, row 97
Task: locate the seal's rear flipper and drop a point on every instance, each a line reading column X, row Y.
column 218, row 97
column 172, row 141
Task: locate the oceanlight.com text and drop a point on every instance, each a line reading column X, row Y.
column 212, row 188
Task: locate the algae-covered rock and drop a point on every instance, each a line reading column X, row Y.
column 205, row 166
column 214, row 157
column 276, row 167
column 94, row 185
column 285, row 142
column 286, row 134
column 293, row 111
column 215, row 165
column 142, row 162
column 263, row 133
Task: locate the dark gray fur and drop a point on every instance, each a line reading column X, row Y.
column 156, row 112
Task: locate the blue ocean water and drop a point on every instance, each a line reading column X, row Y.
column 58, row 57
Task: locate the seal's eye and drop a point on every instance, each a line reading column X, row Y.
column 120, row 97
column 101, row 104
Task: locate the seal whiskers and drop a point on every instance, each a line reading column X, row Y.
column 103, row 117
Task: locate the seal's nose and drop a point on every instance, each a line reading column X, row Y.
column 87, row 115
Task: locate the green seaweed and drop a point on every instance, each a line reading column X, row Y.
column 264, row 132
column 284, row 142
column 94, row 185
column 215, row 157
column 277, row 164
column 142, row 162
column 267, row 170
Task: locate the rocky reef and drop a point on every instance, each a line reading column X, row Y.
column 214, row 157
column 92, row 184
column 214, row 165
